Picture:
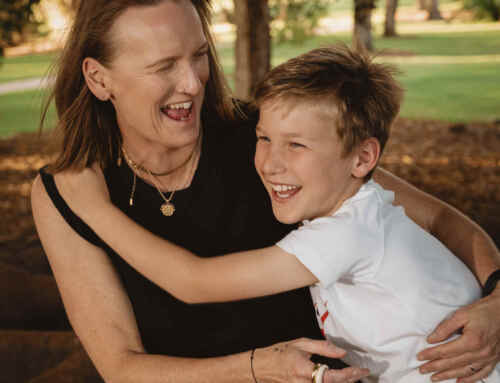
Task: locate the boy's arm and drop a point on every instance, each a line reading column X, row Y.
column 193, row 279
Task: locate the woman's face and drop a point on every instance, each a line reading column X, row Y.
column 158, row 74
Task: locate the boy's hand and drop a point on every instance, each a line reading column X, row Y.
column 475, row 353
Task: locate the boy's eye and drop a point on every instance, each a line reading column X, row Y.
column 296, row 145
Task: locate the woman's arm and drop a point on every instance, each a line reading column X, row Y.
column 460, row 234
column 101, row 315
column 479, row 345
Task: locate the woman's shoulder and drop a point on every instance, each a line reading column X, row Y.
column 47, row 199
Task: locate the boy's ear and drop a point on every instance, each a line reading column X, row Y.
column 97, row 78
column 367, row 157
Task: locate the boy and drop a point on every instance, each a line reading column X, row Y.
column 380, row 284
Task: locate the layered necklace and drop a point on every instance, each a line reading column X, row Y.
column 167, row 208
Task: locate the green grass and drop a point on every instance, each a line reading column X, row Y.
column 455, row 92
column 435, row 90
column 23, row 67
column 20, row 112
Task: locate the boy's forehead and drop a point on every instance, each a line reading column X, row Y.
column 317, row 108
column 315, row 119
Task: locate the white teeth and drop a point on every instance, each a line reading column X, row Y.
column 282, row 188
column 182, row 105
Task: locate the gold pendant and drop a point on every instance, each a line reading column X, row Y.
column 167, row 209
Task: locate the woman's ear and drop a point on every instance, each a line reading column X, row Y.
column 367, row 156
column 97, row 78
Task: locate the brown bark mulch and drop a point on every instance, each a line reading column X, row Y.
column 459, row 163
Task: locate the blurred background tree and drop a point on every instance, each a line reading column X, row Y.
column 484, row 8
column 16, row 22
column 296, row 20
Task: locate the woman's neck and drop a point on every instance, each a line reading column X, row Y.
column 171, row 168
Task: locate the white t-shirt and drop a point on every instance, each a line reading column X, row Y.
column 384, row 283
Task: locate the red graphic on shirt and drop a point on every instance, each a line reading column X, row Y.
column 322, row 313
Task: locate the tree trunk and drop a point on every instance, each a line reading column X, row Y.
column 433, row 9
column 422, row 5
column 390, row 18
column 362, row 34
column 253, row 45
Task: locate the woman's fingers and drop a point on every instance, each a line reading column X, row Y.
column 345, row 375
column 479, row 344
column 319, row 347
column 448, row 327
column 289, row 362
column 478, row 374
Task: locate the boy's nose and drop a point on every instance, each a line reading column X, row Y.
column 273, row 162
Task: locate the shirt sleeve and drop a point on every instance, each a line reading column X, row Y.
column 335, row 247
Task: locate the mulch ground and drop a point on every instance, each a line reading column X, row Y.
column 458, row 163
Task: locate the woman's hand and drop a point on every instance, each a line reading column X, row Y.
column 289, row 362
column 475, row 353
column 84, row 190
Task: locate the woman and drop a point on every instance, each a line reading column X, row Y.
column 139, row 93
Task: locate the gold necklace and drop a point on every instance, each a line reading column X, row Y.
column 138, row 167
column 168, row 208
column 144, row 169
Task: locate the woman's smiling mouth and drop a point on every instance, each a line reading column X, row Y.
column 181, row 111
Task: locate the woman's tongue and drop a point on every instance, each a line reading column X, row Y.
column 177, row 114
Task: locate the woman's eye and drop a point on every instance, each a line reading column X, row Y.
column 202, row 53
column 166, row 68
column 263, row 139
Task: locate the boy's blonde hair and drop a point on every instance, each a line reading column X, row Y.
column 365, row 93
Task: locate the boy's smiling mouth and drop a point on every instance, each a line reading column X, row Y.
column 284, row 191
column 181, row 111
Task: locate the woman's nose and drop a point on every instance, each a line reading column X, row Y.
column 190, row 82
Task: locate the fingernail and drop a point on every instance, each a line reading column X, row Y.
column 335, row 348
column 432, row 338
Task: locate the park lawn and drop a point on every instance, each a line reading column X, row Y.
column 456, row 92
column 20, row 112
column 24, row 67
column 451, row 92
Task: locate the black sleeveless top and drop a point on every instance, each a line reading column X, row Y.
column 225, row 209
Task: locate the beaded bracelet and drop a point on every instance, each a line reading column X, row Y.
column 491, row 283
column 251, row 365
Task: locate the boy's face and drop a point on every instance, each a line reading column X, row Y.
column 299, row 160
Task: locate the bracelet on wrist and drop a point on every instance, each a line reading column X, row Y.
column 252, row 354
column 491, row 283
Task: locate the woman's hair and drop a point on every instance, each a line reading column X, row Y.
column 87, row 126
